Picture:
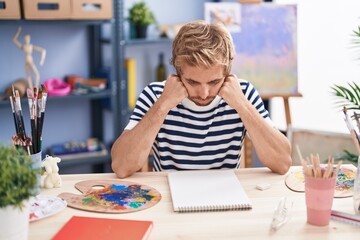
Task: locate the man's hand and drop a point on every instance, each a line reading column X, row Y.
column 231, row 92
column 174, row 91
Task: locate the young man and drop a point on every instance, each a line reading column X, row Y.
column 198, row 117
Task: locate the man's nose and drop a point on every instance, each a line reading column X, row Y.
column 203, row 92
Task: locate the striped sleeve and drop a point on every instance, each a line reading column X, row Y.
column 146, row 100
column 254, row 98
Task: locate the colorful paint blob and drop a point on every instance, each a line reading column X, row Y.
column 120, row 197
column 113, row 196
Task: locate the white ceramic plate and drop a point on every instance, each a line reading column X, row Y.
column 45, row 206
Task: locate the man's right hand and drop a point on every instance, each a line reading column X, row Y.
column 174, row 91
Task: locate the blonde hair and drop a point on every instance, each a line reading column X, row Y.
column 200, row 44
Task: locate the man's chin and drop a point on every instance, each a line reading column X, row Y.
column 201, row 103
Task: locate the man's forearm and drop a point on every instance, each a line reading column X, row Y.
column 131, row 150
column 272, row 147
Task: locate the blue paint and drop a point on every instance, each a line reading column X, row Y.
column 117, row 187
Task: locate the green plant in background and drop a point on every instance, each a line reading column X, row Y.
column 356, row 39
column 348, row 96
column 140, row 14
column 346, row 155
column 18, row 177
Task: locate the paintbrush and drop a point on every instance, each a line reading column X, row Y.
column 39, row 119
column 14, row 115
column 356, row 116
column 351, row 128
column 32, row 110
column 18, row 113
column 42, row 113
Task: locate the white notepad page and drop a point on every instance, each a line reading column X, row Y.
column 207, row 191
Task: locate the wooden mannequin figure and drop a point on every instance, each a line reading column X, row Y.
column 28, row 48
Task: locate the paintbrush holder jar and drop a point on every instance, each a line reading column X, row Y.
column 356, row 195
column 36, row 161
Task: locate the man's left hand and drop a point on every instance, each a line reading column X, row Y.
column 231, row 91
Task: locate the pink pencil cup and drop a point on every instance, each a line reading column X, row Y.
column 319, row 194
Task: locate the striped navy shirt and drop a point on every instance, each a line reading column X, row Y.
column 197, row 137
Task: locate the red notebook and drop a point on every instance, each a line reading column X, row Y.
column 104, row 228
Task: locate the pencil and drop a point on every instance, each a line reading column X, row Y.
column 337, row 168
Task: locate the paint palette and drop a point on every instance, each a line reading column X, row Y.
column 45, row 206
column 344, row 183
column 111, row 196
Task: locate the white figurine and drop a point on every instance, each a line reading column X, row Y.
column 52, row 178
column 28, row 48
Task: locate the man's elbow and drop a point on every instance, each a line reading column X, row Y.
column 118, row 170
column 285, row 166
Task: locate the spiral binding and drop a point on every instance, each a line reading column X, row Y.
column 212, row 208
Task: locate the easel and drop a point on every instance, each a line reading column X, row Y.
column 248, row 146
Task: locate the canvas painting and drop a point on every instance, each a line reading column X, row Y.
column 225, row 13
column 266, row 48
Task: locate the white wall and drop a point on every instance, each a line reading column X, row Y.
column 325, row 57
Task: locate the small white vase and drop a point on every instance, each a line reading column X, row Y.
column 14, row 222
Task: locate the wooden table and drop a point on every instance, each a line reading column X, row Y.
column 253, row 224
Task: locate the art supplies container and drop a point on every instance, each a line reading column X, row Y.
column 319, row 194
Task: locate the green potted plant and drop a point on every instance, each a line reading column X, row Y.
column 349, row 96
column 18, row 179
column 140, row 17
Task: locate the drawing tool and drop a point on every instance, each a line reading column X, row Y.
column 14, row 115
column 329, row 168
column 337, row 168
column 346, row 218
column 306, row 169
column 357, row 119
column 351, row 128
column 42, row 102
column 18, row 112
column 28, row 145
column 32, row 110
column 38, row 119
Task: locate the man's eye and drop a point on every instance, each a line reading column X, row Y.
column 192, row 82
column 214, row 83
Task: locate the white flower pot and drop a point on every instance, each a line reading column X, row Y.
column 14, row 222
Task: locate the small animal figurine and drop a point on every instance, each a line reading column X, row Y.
column 52, row 178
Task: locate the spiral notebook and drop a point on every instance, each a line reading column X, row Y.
column 195, row 191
